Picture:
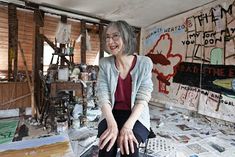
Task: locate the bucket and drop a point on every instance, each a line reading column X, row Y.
column 63, row 74
column 76, row 123
column 62, row 125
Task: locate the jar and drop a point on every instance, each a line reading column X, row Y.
column 83, row 121
column 93, row 74
column 84, row 76
column 83, row 67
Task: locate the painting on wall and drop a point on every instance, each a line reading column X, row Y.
column 58, row 146
column 193, row 55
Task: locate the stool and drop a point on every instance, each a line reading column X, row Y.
column 151, row 135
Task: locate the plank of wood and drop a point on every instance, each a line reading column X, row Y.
column 29, row 81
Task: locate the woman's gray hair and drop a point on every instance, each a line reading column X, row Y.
column 127, row 34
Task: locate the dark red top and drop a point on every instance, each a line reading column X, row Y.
column 123, row 91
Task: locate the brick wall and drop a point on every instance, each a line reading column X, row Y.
column 26, row 37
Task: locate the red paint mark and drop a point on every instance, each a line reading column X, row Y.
column 158, row 59
column 165, row 61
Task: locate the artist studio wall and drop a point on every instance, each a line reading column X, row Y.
column 194, row 56
column 26, row 36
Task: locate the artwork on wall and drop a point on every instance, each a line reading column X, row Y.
column 186, row 97
column 63, row 33
column 193, row 56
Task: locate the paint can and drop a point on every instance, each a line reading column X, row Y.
column 63, row 74
column 62, row 125
column 76, row 123
column 83, row 121
column 93, row 75
column 233, row 84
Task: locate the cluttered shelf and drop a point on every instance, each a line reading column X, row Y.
column 64, row 86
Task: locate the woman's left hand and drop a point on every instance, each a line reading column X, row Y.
column 127, row 139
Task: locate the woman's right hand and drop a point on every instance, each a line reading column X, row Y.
column 109, row 136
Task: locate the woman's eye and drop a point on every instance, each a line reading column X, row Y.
column 115, row 37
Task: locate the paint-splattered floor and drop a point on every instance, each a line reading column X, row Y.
column 178, row 133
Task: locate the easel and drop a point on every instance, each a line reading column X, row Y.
column 58, row 51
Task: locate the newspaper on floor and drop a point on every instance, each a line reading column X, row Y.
column 158, row 147
column 208, row 147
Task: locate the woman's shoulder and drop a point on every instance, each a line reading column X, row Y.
column 106, row 60
column 144, row 59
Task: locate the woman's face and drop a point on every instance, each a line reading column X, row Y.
column 114, row 42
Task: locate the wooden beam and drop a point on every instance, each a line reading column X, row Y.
column 26, row 67
column 13, row 42
column 57, row 51
column 83, row 42
column 138, row 41
column 38, row 58
column 29, row 82
column 101, row 30
column 63, row 19
column 53, row 46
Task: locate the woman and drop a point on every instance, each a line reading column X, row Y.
column 124, row 90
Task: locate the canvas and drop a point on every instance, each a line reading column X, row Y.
column 7, row 130
column 54, row 146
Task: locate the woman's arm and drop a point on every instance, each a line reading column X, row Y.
column 127, row 137
column 111, row 133
column 104, row 98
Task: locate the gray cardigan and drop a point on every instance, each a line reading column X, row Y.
column 142, row 85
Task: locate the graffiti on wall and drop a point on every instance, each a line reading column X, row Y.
column 209, row 34
column 165, row 61
column 193, row 56
column 206, row 76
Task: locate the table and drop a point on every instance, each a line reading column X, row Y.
column 66, row 85
column 80, row 89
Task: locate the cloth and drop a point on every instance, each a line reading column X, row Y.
column 63, row 33
column 123, row 91
column 142, row 84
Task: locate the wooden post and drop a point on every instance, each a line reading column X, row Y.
column 83, row 42
column 12, row 39
column 101, row 29
column 37, row 60
column 63, row 19
column 138, row 33
column 29, row 81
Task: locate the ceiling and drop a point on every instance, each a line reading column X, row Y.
column 138, row 13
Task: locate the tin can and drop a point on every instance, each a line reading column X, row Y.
column 84, row 76
column 76, row 123
column 83, row 121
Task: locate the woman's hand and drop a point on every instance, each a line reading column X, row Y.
column 109, row 136
column 126, row 139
